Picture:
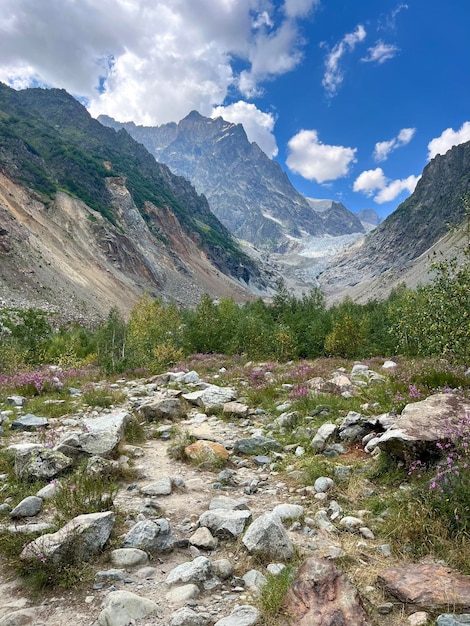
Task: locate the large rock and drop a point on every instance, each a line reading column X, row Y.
column 256, row 445
column 212, row 398
column 423, row 424
column 81, row 538
column 198, row 572
column 124, row 607
column 154, row 536
column 244, row 615
column 28, row 507
column 225, row 522
column 187, row 617
column 267, row 537
column 164, row 409
column 29, row 422
column 428, row 586
column 322, row 595
column 37, row 462
column 101, row 437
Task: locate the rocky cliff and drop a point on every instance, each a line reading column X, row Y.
column 402, row 243
column 250, row 193
column 90, row 220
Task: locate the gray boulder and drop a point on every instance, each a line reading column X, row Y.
column 244, row 615
column 39, row 462
column 164, row 409
column 29, row 422
column 122, row 608
column 129, row 557
column 422, row 425
column 187, row 617
column 198, row 572
column 324, row 435
column 212, row 398
column 450, row 619
column 28, row 507
column 101, row 437
column 256, row 445
column 81, row 538
column 225, row 522
column 154, row 536
column 267, row 537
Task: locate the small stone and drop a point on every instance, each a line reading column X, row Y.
column 449, row 619
column 128, row 557
column 323, row 484
column 385, row 608
column 29, row 507
column 181, row 595
column 421, row 618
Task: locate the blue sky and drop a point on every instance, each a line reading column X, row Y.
column 351, row 97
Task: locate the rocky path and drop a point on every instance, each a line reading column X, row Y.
column 188, row 553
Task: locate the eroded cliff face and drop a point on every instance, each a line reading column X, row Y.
column 398, row 249
column 64, row 256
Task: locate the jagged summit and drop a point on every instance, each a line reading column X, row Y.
column 250, row 193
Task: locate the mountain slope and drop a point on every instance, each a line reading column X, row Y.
column 337, row 219
column 248, row 192
column 391, row 250
column 59, row 165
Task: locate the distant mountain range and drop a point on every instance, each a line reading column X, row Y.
column 249, row 192
column 89, row 219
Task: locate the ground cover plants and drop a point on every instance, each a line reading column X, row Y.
column 416, row 519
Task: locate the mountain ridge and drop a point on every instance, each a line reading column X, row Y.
column 250, row 193
column 150, row 230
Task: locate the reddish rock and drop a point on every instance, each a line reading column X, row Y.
column 427, row 585
column 206, row 451
column 322, row 595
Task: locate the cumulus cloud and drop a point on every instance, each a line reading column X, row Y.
column 447, row 139
column 394, row 188
column 334, row 73
column 258, row 125
column 372, row 182
column 380, row 53
column 317, row 161
column 151, row 62
column 383, row 148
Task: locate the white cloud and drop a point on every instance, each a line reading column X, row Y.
column 151, row 62
column 383, row 148
column 380, row 53
column 299, row 8
column 447, row 139
column 334, row 74
column 317, row 161
column 258, row 125
column 395, row 187
column 371, row 181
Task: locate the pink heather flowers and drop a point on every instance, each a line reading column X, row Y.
column 414, row 392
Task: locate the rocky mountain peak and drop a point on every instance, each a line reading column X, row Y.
column 250, row 193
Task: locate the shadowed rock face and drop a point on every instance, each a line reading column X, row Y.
column 322, row 595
